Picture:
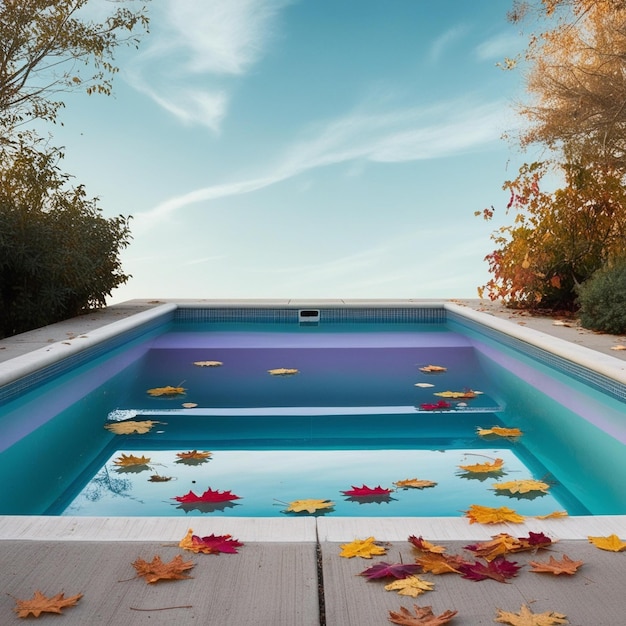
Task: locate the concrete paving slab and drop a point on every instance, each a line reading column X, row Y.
column 261, row 585
column 594, row 595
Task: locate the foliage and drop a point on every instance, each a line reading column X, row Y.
column 44, row 45
column 365, row 548
column 422, row 615
column 58, row 255
column 527, row 618
column 559, row 239
column 612, row 543
column 576, row 82
column 156, row 569
column 602, row 300
column 212, row 544
column 554, row 566
column 410, row 586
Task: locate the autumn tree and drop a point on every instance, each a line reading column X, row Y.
column 576, row 111
column 58, row 254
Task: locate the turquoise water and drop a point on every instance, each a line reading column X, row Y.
column 353, row 415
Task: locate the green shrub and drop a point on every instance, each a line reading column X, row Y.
column 602, row 300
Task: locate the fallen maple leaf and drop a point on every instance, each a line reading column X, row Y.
column 522, row 486
column 556, row 567
column 424, row 385
column 527, row 618
column 486, row 468
column 425, row 546
column 189, row 405
column 130, row 426
column 390, row 570
column 504, row 543
column 157, row 570
column 283, row 371
column 553, row 515
column 432, row 369
column 365, row 491
column 166, row 391
column 423, row 616
column 440, row 563
column 39, row 604
column 193, row 455
column 208, row 363
column 499, row 431
column 612, row 543
column 434, row 406
column 487, row 515
column 131, row 460
column 157, row 478
column 208, row 496
column 498, row 569
column 414, row 483
column 212, row 544
column 620, row 347
column 410, row 586
column 365, row 548
column 309, row 505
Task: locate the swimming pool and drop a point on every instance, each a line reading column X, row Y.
column 351, row 416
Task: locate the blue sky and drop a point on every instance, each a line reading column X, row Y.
column 305, row 148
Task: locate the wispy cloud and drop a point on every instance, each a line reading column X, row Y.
column 195, row 47
column 420, row 133
column 445, row 40
column 498, row 46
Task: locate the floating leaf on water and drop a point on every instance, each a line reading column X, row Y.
column 194, row 455
column 131, row 426
column 166, row 391
column 189, row 405
column 466, row 395
column 487, row 467
column 208, row 363
column 157, row 478
column 488, row 515
column 424, row 385
column 522, row 486
column 131, row 460
column 414, row 483
column 310, row 505
column 499, row 431
column 208, row 496
column 283, row 371
column 433, row 369
column 435, row 406
column 365, row 491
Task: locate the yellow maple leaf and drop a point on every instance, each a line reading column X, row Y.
column 130, row 460
column 499, row 431
column 527, row 618
column 310, row 505
column 553, row 515
column 522, row 486
column 612, row 543
column 484, row 468
column 166, row 391
column 283, row 371
column 488, row 515
column 498, row 545
column 39, row 604
column 458, row 394
column 414, row 483
column 410, row 586
column 208, row 363
column 131, row 426
column 365, row 548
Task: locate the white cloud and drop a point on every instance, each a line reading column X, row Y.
column 406, row 135
column 497, row 47
column 194, row 46
column 445, row 40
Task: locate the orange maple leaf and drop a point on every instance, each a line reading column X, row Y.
column 168, row 390
column 193, row 455
column 39, row 604
column 130, row 460
column 422, row 616
column 440, row 563
column 483, row 468
column 556, row 567
column 499, row 431
column 414, row 483
column 430, row 369
column 157, row 570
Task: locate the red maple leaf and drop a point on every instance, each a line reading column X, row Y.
column 434, row 406
column 499, row 569
column 391, row 570
column 208, row 496
column 537, row 540
column 367, row 491
column 214, row 544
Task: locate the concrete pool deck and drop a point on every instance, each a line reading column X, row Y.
column 276, row 576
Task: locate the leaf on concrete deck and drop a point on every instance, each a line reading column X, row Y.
column 157, row 570
column 39, row 604
column 527, row 618
column 422, row 616
column 612, row 543
column 410, row 586
column 556, row 567
column 212, row 544
column 365, row 548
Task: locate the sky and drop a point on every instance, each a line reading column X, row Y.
column 304, row 149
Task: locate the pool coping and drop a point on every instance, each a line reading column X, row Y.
column 305, row 529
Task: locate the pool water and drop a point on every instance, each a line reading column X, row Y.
column 358, row 412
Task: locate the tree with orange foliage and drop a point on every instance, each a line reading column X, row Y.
column 577, row 110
